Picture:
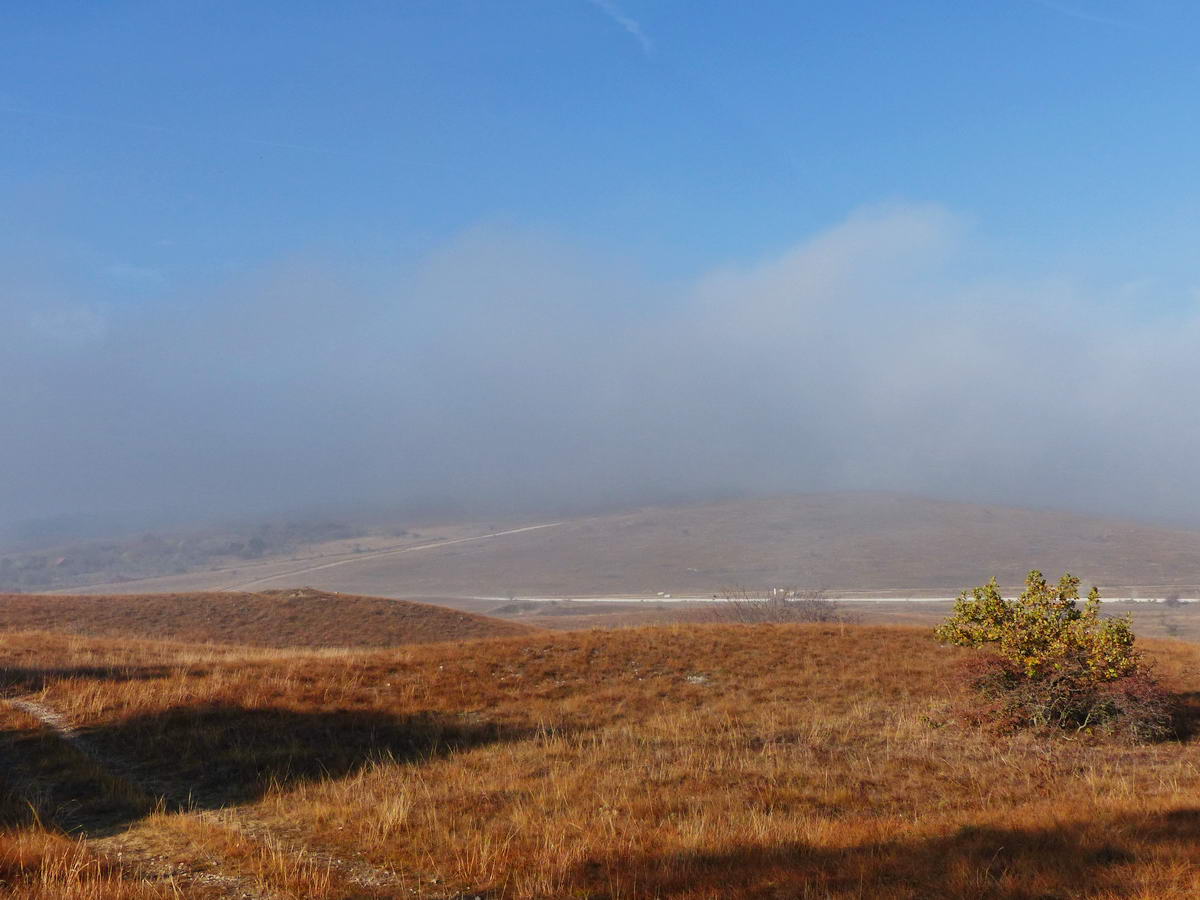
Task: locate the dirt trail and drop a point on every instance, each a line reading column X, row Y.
column 54, row 722
column 161, row 859
column 378, row 554
column 157, row 862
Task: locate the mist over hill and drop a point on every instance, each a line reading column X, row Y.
column 510, row 370
column 852, row 542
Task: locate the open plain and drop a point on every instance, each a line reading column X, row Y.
column 260, row 741
column 685, row 761
column 599, row 450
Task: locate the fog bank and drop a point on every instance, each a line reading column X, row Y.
column 509, row 370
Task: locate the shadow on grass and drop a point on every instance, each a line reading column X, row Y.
column 1066, row 860
column 214, row 756
column 1187, row 715
column 18, row 680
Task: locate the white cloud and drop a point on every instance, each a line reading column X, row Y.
column 510, row 368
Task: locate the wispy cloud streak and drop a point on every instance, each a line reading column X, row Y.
column 630, row 24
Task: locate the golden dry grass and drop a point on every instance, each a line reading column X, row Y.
column 38, row 862
column 38, row 865
column 679, row 761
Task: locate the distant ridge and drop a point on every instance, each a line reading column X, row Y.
column 852, row 542
column 869, row 543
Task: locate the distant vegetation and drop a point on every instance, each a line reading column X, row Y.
column 878, row 544
column 152, row 554
column 1053, row 664
column 776, row 606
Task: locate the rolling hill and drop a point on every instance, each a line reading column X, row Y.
column 862, row 542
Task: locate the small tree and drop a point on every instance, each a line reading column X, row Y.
column 1054, row 663
column 1044, row 630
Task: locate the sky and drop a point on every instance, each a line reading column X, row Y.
column 529, row 254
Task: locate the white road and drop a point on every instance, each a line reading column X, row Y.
column 647, row 598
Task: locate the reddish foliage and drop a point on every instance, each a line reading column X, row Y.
column 1000, row 696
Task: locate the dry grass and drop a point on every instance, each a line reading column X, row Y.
column 38, row 865
column 291, row 618
column 678, row 761
column 41, row 863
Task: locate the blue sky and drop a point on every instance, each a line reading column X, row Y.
column 264, row 253
column 188, row 137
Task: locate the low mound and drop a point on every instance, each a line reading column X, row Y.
column 291, row 618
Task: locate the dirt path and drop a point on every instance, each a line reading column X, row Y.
column 381, row 553
column 378, row 554
column 175, row 855
column 169, row 858
column 203, row 580
column 53, row 721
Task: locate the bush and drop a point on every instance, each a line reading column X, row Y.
column 1044, row 630
column 1054, row 665
column 776, row 606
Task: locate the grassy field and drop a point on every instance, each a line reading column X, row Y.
column 684, row 761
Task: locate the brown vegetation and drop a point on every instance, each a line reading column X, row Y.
column 686, row 762
column 777, row 606
column 38, row 865
column 291, row 618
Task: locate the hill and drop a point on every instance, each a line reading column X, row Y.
column 690, row 762
column 215, row 554
column 288, row 618
column 866, row 543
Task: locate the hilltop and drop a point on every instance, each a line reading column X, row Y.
column 867, row 543
column 285, row 618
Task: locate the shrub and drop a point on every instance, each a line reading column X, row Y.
column 1044, row 630
column 1053, row 664
column 776, row 606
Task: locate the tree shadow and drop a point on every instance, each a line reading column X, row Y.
column 1066, row 860
column 211, row 757
column 1187, row 714
column 19, row 680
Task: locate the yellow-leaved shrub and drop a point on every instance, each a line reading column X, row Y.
column 1044, row 629
column 1055, row 664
